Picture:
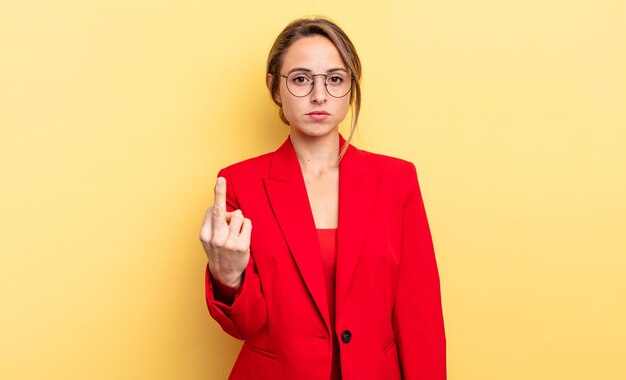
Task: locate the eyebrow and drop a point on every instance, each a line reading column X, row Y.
column 310, row 71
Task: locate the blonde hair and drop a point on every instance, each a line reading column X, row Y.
column 306, row 27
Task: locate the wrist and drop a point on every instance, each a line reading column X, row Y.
column 232, row 281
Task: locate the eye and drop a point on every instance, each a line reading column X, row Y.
column 335, row 80
column 300, row 79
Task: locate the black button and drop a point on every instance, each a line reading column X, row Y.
column 346, row 336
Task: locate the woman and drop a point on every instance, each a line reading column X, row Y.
column 338, row 277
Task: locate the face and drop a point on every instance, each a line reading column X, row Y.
column 317, row 113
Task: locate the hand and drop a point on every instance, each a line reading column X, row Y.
column 225, row 237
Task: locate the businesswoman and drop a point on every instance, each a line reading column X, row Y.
column 319, row 254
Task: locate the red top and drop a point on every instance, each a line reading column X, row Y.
column 328, row 244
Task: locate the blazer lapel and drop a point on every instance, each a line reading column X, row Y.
column 357, row 184
column 289, row 200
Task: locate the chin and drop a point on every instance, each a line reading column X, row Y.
column 314, row 130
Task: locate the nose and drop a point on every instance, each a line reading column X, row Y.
column 319, row 94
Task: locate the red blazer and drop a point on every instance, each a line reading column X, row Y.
column 388, row 306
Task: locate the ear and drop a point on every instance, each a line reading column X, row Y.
column 268, row 83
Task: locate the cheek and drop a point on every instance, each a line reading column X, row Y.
column 343, row 108
column 289, row 109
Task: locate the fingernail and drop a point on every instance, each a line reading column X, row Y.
column 220, row 181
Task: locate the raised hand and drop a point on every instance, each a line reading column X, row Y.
column 225, row 237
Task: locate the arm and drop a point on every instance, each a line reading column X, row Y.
column 246, row 315
column 240, row 311
column 418, row 317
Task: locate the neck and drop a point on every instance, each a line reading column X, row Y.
column 316, row 154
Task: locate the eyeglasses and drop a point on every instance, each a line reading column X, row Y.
column 300, row 83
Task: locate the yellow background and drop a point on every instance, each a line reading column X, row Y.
column 116, row 115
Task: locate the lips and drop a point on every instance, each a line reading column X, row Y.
column 318, row 115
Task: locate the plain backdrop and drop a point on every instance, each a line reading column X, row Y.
column 115, row 117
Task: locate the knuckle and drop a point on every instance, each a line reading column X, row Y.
column 242, row 247
column 216, row 242
column 245, row 223
column 217, row 211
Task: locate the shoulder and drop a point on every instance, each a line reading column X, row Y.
column 243, row 178
column 397, row 175
column 245, row 174
column 392, row 168
column 248, row 167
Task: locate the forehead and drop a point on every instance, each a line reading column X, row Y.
column 316, row 53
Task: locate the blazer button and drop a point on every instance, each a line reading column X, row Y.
column 346, row 336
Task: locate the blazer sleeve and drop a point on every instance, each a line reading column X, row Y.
column 417, row 316
column 246, row 314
